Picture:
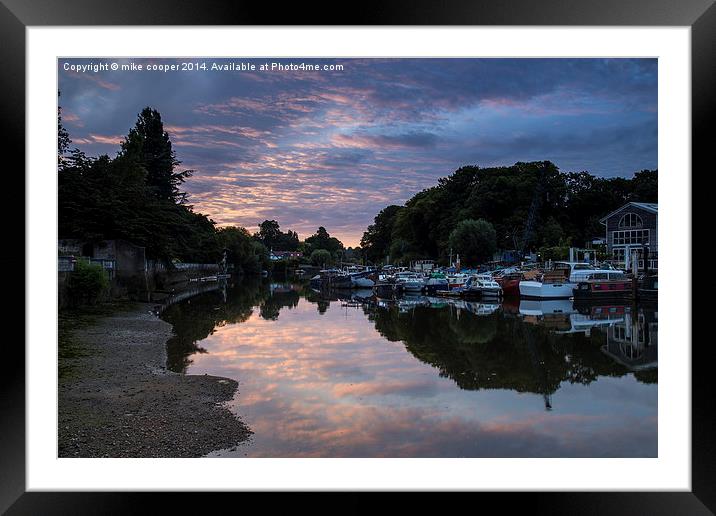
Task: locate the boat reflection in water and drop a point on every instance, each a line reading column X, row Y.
column 346, row 374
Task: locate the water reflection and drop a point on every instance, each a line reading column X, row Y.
column 345, row 374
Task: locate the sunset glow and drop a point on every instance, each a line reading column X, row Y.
column 332, row 148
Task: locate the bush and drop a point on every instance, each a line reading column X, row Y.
column 321, row 257
column 87, row 283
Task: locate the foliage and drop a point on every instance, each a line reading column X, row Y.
column 137, row 197
column 87, row 283
column 377, row 238
column 353, row 255
column 247, row 255
column 271, row 236
column 322, row 240
column 569, row 207
column 321, row 257
column 63, row 137
column 557, row 252
column 475, row 240
column 148, row 145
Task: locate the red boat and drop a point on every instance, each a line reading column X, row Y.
column 510, row 283
column 600, row 289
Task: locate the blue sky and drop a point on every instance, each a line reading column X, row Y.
column 332, row 148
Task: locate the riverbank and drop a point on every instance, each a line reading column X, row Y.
column 117, row 399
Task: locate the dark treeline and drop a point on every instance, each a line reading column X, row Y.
column 137, row 196
column 568, row 209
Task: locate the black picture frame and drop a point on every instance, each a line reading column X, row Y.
column 17, row 15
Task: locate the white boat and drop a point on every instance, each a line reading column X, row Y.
column 484, row 285
column 457, row 280
column 409, row 281
column 554, row 285
column 539, row 290
column 579, row 271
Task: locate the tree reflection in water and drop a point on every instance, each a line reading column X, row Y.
column 501, row 350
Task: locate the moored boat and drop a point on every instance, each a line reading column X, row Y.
column 436, row 282
column 554, row 285
column 510, row 283
column 409, row 282
column 604, row 285
column 457, row 280
column 482, row 285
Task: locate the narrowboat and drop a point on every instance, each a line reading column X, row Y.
column 604, row 285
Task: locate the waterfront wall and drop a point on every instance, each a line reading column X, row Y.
column 132, row 276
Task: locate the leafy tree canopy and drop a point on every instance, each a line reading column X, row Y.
column 475, row 240
column 568, row 209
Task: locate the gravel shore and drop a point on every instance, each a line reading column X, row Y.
column 119, row 400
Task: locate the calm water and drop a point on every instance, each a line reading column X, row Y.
column 344, row 375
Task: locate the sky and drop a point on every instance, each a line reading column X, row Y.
column 333, row 146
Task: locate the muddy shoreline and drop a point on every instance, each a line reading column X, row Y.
column 119, row 400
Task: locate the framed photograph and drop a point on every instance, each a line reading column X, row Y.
column 419, row 252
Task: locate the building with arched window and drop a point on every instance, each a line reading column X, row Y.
column 631, row 229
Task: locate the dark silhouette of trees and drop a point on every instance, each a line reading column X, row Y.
column 570, row 206
column 271, row 236
column 377, row 238
column 322, row 240
column 475, row 240
column 148, row 144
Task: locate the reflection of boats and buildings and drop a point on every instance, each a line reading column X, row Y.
column 531, row 346
column 630, row 332
column 633, row 343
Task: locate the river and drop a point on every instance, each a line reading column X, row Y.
column 348, row 375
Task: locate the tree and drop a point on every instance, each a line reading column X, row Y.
column 63, row 137
column 149, row 145
column 645, row 186
column 399, row 250
column 103, row 198
column 269, row 233
column 322, row 240
column 321, row 257
column 475, row 240
column 272, row 237
column 376, row 239
column 551, row 232
column 569, row 207
column 247, row 255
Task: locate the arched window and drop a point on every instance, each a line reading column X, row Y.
column 631, row 220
